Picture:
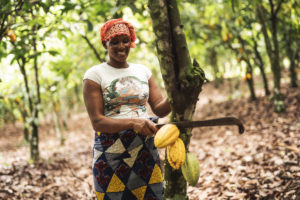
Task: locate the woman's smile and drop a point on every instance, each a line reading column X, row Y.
column 122, row 53
column 118, row 49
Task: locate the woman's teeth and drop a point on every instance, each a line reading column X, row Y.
column 122, row 53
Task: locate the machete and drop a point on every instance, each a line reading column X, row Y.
column 211, row 122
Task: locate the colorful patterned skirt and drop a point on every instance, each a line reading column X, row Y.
column 126, row 166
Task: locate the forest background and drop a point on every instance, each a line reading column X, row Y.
column 248, row 49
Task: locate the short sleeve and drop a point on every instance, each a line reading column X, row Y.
column 93, row 74
column 147, row 72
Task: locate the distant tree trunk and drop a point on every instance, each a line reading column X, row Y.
column 213, row 61
column 24, row 114
column 250, row 79
column 34, row 154
column 292, row 55
column 261, row 67
column 273, row 52
column 249, row 70
column 56, row 121
column 34, row 140
column 183, row 80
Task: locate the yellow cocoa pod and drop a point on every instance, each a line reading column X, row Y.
column 176, row 154
column 191, row 169
column 166, row 135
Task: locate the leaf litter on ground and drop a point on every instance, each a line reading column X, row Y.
column 263, row 163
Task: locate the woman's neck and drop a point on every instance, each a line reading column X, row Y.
column 117, row 64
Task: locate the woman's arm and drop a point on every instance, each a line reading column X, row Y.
column 159, row 105
column 93, row 99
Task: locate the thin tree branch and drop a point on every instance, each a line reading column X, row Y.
column 93, row 48
column 272, row 7
column 278, row 7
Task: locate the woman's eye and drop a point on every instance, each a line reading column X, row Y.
column 114, row 42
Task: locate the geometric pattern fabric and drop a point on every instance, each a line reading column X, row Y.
column 126, row 166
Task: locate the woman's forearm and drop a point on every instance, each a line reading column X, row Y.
column 110, row 125
column 162, row 108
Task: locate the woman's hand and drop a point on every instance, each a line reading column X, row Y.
column 144, row 127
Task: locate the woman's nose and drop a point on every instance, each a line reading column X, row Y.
column 123, row 44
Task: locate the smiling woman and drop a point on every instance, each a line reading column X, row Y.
column 126, row 163
column 118, row 49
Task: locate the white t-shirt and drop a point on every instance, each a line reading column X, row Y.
column 125, row 91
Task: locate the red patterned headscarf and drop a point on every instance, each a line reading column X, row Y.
column 115, row 27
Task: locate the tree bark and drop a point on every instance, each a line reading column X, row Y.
column 183, row 80
column 24, row 114
column 34, row 140
column 261, row 67
column 34, row 154
column 250, row 79
column 213, row 61
column 249, row 70
column 292, row 55
column 273, row 51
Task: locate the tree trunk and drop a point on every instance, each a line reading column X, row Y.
column 34, row 140
column 26, row 134
column 250, row 79
column 24, row 114
column 56, row 121
column 291, row 55
column 183, row 80
column 273, row 53
column 278, row 101
column 22, row 62
column 262, row 69
column 249, row 73
column 213, row 61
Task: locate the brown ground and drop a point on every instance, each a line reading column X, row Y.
column 263, row 163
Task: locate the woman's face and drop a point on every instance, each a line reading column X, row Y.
column 118, row 48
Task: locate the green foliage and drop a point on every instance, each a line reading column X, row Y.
column 214, row 31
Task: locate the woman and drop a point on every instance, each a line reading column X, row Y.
column 126, row 163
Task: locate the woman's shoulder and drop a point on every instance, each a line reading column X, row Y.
column 140, row 68
column 94, row 73
column 95, row 68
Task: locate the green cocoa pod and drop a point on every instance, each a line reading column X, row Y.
column 191, row 169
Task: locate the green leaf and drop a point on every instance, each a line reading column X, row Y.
column 53, row 52
column 13, row 60
column 133, row 8
column 90, row 25
column 45, row 7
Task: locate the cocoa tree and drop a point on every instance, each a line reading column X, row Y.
column 272, row 46
column 183, row 79
column 26, row 52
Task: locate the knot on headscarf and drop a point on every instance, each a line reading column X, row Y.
column 115, row 27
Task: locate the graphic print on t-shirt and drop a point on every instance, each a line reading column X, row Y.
column 126, row 94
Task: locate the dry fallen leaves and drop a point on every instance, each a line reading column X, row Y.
column 263, row 163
